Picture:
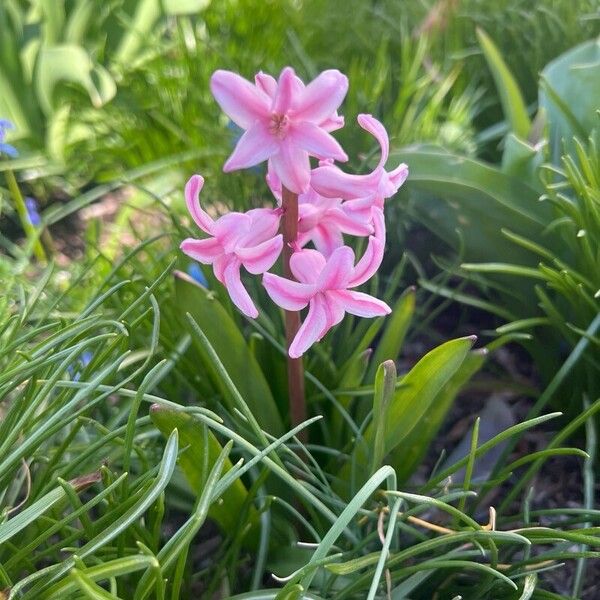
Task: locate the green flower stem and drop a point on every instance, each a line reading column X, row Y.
column 28, row 228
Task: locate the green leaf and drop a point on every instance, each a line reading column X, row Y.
column 71, row 64
column 232, row 349
column 385, row 384
column 395, row 331
column 196, row 461
column 512, row 101
column 522, row 160
column 184, row 7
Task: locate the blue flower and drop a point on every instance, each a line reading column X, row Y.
column 32, row 212
column 6, row 148
column 196, row 273
column 75, row 370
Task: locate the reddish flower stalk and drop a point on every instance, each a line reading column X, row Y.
column 295, row 368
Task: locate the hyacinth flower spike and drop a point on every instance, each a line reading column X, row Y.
column 325, row 286
column 285, row 122
column 331, row 182
column 236, row 239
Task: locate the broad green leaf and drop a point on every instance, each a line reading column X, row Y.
column 394, row 333
column 232, row 349
column 410, row 452
column 196, row 461
column 147, row 12
column 71, row 64
column 522, row 160
column 512, row 101
column 385, row 384
column 421, row 389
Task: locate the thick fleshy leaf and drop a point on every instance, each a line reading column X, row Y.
column 322, row 97
column 368, row 264
column 192, row 199
column 378, row 131
column 257, row 144
column 292, row 166
column 258, row 259
column 306, row 265
column 204, row 251
column 362, row 305
column 338, row 270
column 290, row 295
column 316, row 141
column 237, row 291
column 312, row 328
column 243, row 102
column 332, row 182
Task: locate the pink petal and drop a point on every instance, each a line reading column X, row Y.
column 264, row 225
column 378, row 223
column 316, row 141
column 313, row 327
column 369, row 263
column 258, row 259
column 332, row 182
column 306, row 265
column 348, row 223
column 398, row 175
column 286, row 85
column 237, row 291
column 290, row 295
column 230, row 227
column 243, row 102
column 257, row 144
column 375, row 128
column 338, row 270
column 359, row 209
column 192, row 200
column 266, row 83
column 326, row 239
column 204, row 251
column 322, row 97
column 334, row 310
column 332, row 123
column 273, row 181
column 362, row 305
column 219, row 266
column 292, row 166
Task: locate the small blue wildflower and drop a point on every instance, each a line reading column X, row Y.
column 197, row 274
column 6, row 148
column 76, row 368
column 32, row 212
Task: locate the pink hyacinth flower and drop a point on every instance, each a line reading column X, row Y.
column 325, row 286
column 323, row 221
column 374, row 188
column 237, row 239
column 285, row 121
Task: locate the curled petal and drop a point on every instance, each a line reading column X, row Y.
column 292, row 166
column 258, row 259
column 306, row 265
column 375, row 128
column 360, row 209
column 237, row 291
column 243, row 102
column 368, row 264
column 192, row 200
column 230, row 227
column 204, row 251
column 322, row 97
column 312, row 329
column 257, row 144
column 398, row 175
column 338, row 270
column 219, row 266
column 273, row 181
column 334, row 310
column 290, row 295
column 331, row 182
column 317, row 141
column 332, row 123
column 286, row 85
column 362, row 305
